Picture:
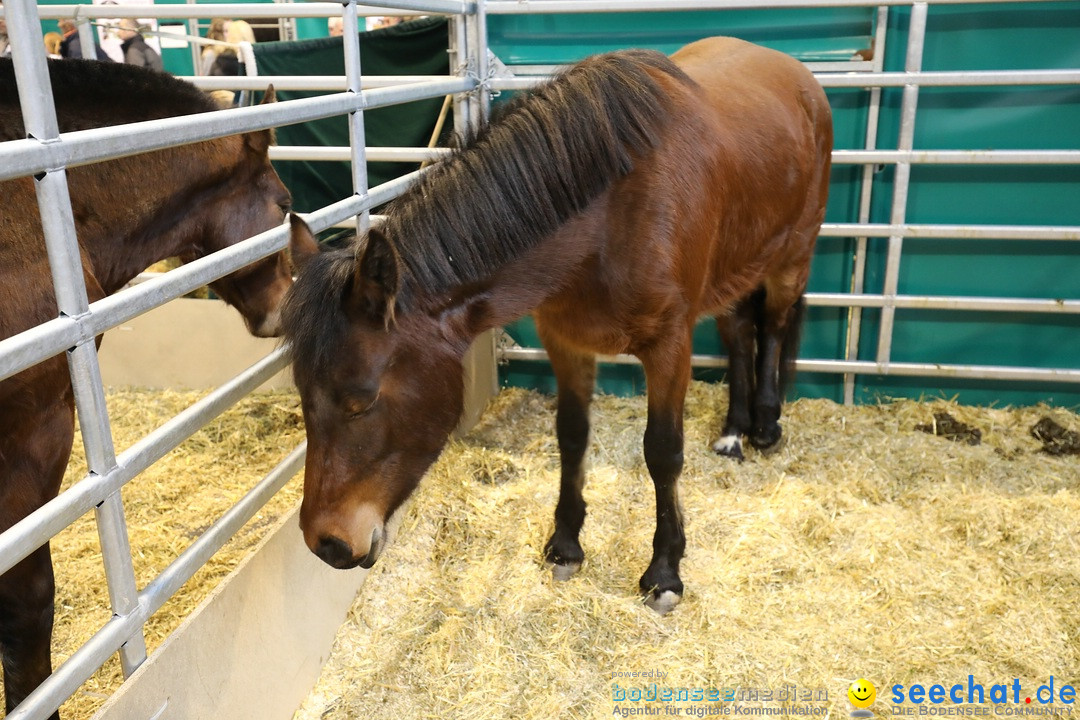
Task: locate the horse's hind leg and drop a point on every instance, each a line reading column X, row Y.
column 667, row 373
column 737, row 329
column 26, row 621
column 779, row 324
column 576, row 376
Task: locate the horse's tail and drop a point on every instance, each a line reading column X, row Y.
column 789, row 346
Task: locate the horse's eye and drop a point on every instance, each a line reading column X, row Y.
column 357, row 407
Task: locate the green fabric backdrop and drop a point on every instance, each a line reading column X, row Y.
column 418, row 47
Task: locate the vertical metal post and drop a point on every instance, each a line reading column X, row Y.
column 908, row 106
column 196, row 48
column 65, row 263
column 866, row 194
column 459, row 65
column 477, row 53
column 87, row 38
column 357, row 140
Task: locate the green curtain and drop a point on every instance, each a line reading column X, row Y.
column 418, row 47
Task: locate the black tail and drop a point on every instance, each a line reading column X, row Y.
column 789, row 349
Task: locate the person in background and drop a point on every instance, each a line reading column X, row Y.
column 210, row 53
column 136, row 51
column 52, row 44
column 335, row 26
column 71, row 45
column 376, row 22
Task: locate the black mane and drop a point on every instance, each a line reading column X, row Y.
column 545, row 158
column 92, row 93
column 548, row 155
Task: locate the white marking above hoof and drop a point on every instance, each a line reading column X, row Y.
column 665, row 603
column 729, row 445
column 562, row 573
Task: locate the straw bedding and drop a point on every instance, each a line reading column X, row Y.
column 167, row 507
column 864, row 547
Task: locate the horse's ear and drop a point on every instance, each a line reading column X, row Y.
column 377, row 279
column 302, row 244
column 261, row 140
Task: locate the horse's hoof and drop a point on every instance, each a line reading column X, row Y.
column 563, row 572
column 729, row 446
column 663, row 602
column 768, row 443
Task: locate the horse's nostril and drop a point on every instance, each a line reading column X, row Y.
column 335, row 552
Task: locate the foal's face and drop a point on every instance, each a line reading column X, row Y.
column 375, row 423
column 378, row 409
column 254, row 201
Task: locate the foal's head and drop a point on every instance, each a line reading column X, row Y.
column 251, row 199
column 381, row 384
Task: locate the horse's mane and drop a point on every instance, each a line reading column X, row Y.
column 543, row 160
column 91, row 93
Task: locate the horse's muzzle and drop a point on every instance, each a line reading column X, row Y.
column 336, row 553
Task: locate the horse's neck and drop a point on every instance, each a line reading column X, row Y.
column 142, row 215
column 522, row 285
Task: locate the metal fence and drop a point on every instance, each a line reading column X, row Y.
column 47, row 153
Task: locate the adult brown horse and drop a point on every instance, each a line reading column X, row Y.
column 129, row 213
column 617, row 203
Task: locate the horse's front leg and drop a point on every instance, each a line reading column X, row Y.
column 575, row 373
column 667, row 374
column 778, row 344
column 34, row 450
column 26, row 622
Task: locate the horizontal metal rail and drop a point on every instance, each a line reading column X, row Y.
column 244, row 10
column 19, row 352
column 953, row 232
column 957, row 157
column 929, row 78
column 525, row 7
column 52, row 517
column 947, row 302
column 85, row 661
column 342, row 154
column 28, row 157
column 862, row 367
column 335, row 83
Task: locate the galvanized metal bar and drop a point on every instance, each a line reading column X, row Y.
column 27, row 157
column 273, row 11
column 476, row 30
column 28, row 348
column 111, row 523
column 526, row 7
column 957, row 78
column 318, row 153
column 1048, row 306
column 459, row 66
column 26, row 535
column 861, row 367
column 957, row 157
column 901, row 180
column 858, row 270
column 953, row 232
column 335, row 83
column 179, row 571
column 356, row 117
column 85, row 661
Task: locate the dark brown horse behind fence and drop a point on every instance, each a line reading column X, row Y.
column 617, row 204
column 129, row 213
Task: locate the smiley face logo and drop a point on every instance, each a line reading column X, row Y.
column 862, row 693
